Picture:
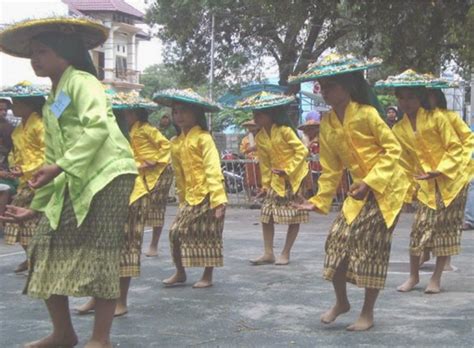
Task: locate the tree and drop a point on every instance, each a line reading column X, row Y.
column 293, row 33
column 411, row 33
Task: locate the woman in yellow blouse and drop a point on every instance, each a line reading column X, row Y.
column 355, row 137
column 437, row 100
column 196, row 234
column 282, row 159
column 27, row 156
column 85, row 184
column 434, row 155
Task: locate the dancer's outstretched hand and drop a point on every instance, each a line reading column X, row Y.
column 44, row 175
column 17, row 214
column 220, row 211
column 427, row 176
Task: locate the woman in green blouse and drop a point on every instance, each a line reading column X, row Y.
column 84, row 186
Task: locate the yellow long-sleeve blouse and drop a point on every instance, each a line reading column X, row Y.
column 148, row 144
column 466, row 137
column 29, row 147
column 366, row 146
column 197, row 168
column 434, row 146
column 244, row 146
column 281, row 149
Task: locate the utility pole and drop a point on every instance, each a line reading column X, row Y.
column 211, row 74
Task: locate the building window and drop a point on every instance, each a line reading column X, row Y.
column 121, row 67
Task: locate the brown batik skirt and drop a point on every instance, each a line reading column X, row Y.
column 132, row 247
column 365, row 244
column 158, row 199
column 23, row 231
column 196, row 236
column 279, row 209
column 438, row 231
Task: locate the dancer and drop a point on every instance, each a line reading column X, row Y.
column 150, row 150
column 27, row 156
column 354, row 136
column 84, row 186
column 437, row 100
column 196, row 234
column 282, row 158
column 434, row 155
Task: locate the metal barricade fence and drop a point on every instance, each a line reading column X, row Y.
column 243, row 182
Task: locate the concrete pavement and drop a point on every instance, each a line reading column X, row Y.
column 265, row 306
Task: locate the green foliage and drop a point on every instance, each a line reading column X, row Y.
column 229, row 117
column 387, row 100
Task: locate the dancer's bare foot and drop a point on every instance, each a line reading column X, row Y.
column 97, row 344
column 263, row 260
column 86, row 308
column 409, row 284
column 334, row 312
column 54, row 341
column 202, row 284
column 363, row 323
column 282, row 260
column 120, row 310
column 152, row 251
column 22, row 267
column 448, row 267
column 175, row 279
column 434, row 287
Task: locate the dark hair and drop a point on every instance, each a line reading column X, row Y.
column 440, row 98
column 142, row 114
column 6, row 101
column 358, row 88
column 71, row 48
column 280, row 117
column 35, row 103
column 420, row 92
column 122, row 123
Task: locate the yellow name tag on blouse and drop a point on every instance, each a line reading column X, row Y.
column 60, row 104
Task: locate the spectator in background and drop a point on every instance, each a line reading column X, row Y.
column 166, row 127
column 392, row 115
column 249, row 149
column 311, row 139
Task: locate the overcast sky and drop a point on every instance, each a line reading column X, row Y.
column 13, row 70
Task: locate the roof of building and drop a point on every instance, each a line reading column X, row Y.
column 104, row 6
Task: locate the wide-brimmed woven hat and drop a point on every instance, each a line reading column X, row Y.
column 334, row 64
column 409, row 78
column 169, row 97
column 249, row 123
column 264, row 100
column 24, row 89
column 130, row 100
column 309, row 123
column 16, row 39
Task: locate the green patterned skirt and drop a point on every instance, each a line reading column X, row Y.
column 438, row 231
column 81, row 261
column 365, row 243
column 196, row 236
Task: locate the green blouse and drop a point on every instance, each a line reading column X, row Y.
column 83, row 138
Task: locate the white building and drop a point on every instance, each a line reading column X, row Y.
column 116, row 60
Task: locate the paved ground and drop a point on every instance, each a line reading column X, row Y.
column 266, row 306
